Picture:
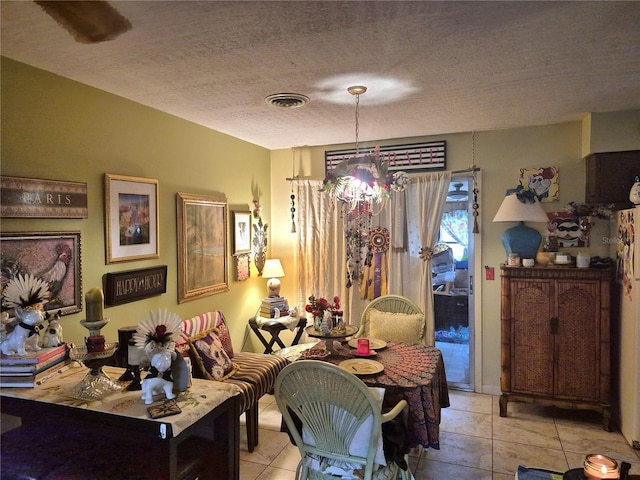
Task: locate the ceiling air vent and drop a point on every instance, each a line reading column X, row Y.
column 287, row 100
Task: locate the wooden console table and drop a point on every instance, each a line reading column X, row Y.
column 209, row 419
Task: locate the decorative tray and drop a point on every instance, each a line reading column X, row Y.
column 81, row 354
column 314, row 354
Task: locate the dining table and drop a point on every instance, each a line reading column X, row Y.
column 413, row 372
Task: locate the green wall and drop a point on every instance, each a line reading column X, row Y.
column 58, row 129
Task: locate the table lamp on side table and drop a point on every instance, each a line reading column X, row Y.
column 520, row 239
column 273, row 271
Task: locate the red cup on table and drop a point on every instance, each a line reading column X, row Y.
column 363, row 346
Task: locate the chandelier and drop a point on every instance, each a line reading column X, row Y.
column 361, row 185
column 363, row 181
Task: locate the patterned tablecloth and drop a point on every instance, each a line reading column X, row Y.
column 198, row 400
column 413, row 372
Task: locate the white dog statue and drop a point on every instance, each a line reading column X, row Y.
column 53, row 333
column 25, row 335
column 158, row 379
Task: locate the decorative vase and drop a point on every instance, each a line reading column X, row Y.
column 317, row 323
column 327, row 323
column 634, row 194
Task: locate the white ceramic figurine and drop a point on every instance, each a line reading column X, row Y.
column 25, row 335
column 53, row 333
column 158, row 379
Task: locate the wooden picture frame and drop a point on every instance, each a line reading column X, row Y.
column 202, row 246
column 131, row 218
column 51, row 256
column 241, row 232
column 40, row 198
column 132, row 285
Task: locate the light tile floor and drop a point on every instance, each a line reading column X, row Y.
column 475, row 442
column 456, row 360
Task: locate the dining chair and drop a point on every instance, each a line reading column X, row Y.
column 392, row 317
column 335, row 420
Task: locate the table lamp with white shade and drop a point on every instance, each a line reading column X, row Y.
column 521, row 239
column 273, row 271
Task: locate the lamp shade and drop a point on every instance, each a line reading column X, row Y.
column 520, row 239
column 513, row 210
column 273, row 270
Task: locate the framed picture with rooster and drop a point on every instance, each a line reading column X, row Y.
column 51, row 257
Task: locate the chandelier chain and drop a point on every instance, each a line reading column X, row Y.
column 357, row 123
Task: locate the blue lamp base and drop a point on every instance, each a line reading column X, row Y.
column 522, row 240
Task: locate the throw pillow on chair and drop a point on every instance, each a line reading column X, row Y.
column 398, row 327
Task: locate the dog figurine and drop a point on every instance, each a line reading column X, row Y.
column 26, row 334
column 53, row 333
column 158, row 379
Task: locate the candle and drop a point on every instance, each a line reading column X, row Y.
column 598, row 467
column 133, row 354
column 94, row 300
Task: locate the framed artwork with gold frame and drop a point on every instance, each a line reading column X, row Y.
column 202, row 246
column 131, row 218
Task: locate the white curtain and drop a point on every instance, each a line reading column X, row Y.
column 320, row 253
column 413, row 218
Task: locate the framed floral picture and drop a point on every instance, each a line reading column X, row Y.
column 202, row 246
column 131, row 218
column 53, row 257
column 241, row 232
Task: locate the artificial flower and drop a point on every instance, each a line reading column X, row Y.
column 590, row 210
column 317, row 306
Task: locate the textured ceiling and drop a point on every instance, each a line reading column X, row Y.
column 431, row 67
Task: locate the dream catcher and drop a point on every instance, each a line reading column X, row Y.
column 374, row 283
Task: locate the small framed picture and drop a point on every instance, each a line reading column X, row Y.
column 241, row 232
column 131, row 218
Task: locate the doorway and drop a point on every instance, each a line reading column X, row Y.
column 453, row 275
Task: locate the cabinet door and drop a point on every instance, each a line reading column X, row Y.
column 532, row 342
column 577, row 341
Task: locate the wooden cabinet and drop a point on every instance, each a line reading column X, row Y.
column 556, row 345
column 610, row 175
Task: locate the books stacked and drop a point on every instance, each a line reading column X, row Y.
column 270, row 304
column 33, row 368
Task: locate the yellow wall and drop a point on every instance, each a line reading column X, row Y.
column 500, row 154
column 611, row 131
column 57, row 129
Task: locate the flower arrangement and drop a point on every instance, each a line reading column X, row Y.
column 25, row 291
column 590, row 210
column 317, row 306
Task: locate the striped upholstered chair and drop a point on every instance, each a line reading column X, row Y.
column 256, row 372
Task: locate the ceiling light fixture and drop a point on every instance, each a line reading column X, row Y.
column 361, row 185
column 458, row 194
